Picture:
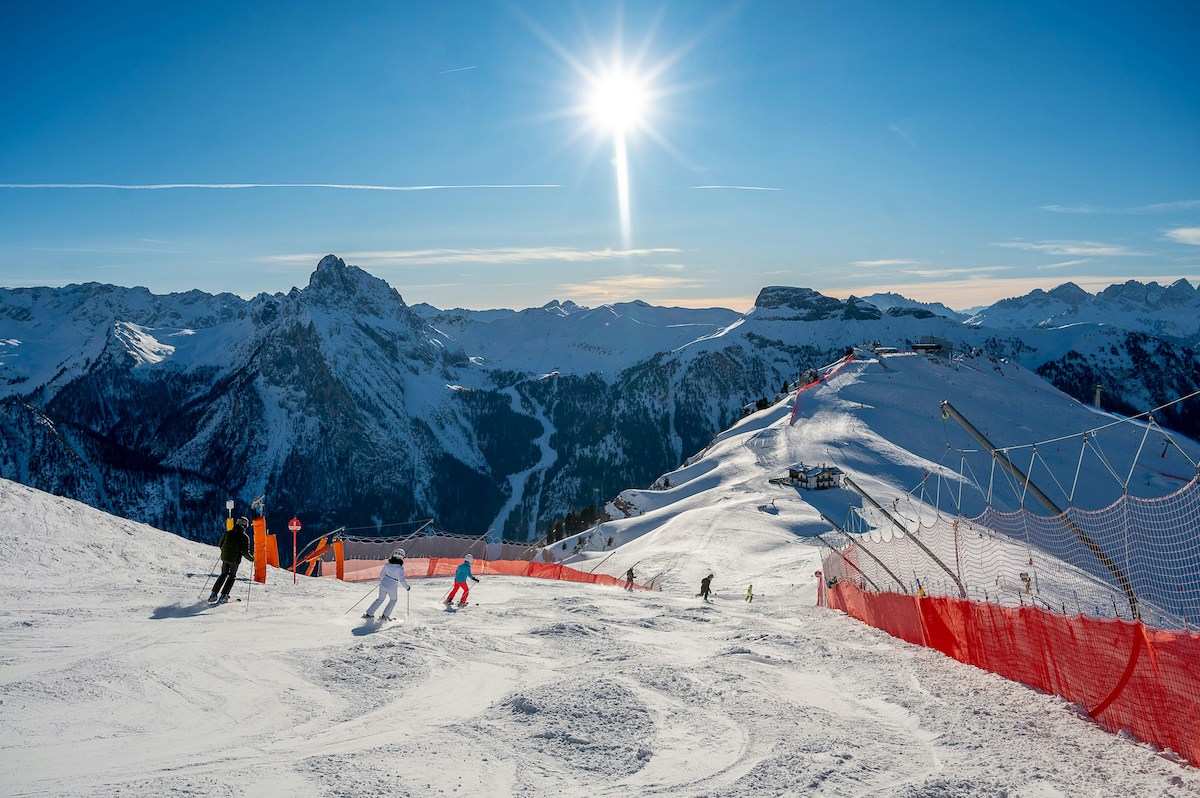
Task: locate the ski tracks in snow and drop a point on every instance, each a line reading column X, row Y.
column 517, row 482
column 544, row 689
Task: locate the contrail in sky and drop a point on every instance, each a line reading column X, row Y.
column 160, row 186
column 460, row 69
column 740, row 188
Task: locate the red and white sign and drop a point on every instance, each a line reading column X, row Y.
column 294, row 528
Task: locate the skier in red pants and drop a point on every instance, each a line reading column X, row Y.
column 461, row 574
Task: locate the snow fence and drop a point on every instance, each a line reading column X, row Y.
column 1124, row 673
column 418, row 567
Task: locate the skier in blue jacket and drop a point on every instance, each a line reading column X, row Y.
column 461, row 574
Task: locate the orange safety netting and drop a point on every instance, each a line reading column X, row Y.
column 365, row 570
column 260, row 549
column 838, row 366
column 1126, row 675
column 272, row 551
column 266, row 550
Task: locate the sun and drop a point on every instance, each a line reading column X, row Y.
column 618, row 102
column 618, row 98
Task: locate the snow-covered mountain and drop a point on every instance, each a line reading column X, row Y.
column 877, row 418
column 891, row 300
column 558, row 688
column 345, row 406
column 567, row 338
column 1171, row 312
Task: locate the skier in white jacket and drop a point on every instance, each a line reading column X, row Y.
column 390, row 579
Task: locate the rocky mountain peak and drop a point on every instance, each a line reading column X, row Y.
column 805, row 304
column 336, row 286
column 1070, row 294
column 562, row 308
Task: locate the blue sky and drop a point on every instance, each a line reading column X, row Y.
column 961, row 152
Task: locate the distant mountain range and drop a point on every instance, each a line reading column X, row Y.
column 343, row 405
column 1172, row 312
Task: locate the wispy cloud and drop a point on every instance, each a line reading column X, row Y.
column 955, row 270
column 343, row 186
column 884, row 262
column 1158, row 207
column 1062, row 264
column 460, row 69
column 1092, row 249
column 1185, row 235
column 673, row 267
column 735, row 188
column 902, row 133
column 627, row 287
column 500, row 255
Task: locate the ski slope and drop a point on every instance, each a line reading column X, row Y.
column 117, row 681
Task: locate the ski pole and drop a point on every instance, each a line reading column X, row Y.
column 360, row 601
column 407, row 603
column 209, row 579
column 249, row 582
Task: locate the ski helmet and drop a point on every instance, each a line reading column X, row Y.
column 398, row 554
column 244, row 521
column 469, row 558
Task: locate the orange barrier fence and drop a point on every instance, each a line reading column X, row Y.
column 266, row 550
column 365, row 570
column 272, row 551
column 1125, row 674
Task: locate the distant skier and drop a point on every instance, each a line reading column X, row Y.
column 461, row 574
column 629, row 578
column 390, row 578
column 705, row 586
column 750, row 593
column 234, row 546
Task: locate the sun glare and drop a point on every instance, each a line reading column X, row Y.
column 619, row 99
column 618, row 102
column 617, row 106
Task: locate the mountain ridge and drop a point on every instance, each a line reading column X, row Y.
column 340, row 396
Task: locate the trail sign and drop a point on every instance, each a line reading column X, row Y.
column 294, row 526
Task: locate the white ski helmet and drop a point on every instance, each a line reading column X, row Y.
column 469, row 558
column 398, row 554
column 244, row 521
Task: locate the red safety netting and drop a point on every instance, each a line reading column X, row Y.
column 417, row 567
column 829, row 371
column 1126, row 675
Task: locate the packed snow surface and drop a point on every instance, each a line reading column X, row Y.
column 116, row 680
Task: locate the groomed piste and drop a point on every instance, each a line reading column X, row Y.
column 117, row 680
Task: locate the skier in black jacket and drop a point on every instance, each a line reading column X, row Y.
column 704, row 587
column 234, row 546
